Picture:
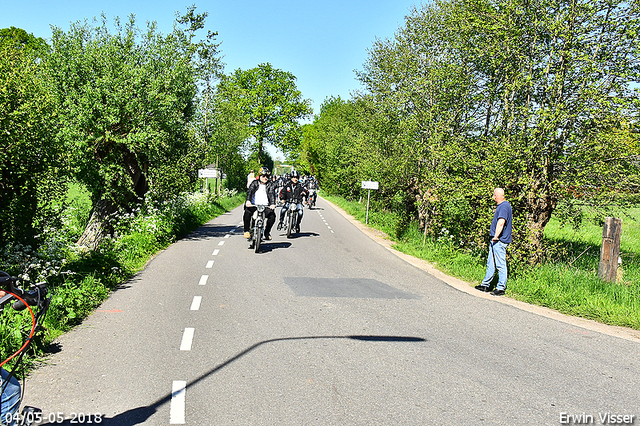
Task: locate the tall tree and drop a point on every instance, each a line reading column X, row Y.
column 223, row 131
column 556, row 81
column 272, row 104
column 331, row 145
column 537, row 97
column 128, row 99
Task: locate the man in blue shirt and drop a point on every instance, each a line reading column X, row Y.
column 500, row 233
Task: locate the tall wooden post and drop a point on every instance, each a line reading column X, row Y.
column 610, row 251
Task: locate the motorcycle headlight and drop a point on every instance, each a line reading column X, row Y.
column 293, row 207
column 261, row 208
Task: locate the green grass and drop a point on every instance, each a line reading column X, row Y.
column 568, row 282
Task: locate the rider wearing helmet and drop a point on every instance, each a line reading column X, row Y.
column 293, row 191
column 260, row 192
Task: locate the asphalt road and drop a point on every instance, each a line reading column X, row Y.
column 327, row 328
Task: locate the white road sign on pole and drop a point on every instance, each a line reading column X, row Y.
column 368, row 184
column 207, row 173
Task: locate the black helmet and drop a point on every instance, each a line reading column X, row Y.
column 294, row 174
column 265, row 172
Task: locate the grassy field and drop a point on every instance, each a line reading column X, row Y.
column 568, row 282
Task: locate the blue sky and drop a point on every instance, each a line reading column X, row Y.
column 320, row 42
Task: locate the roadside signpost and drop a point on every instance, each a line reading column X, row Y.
column 368, row 184
column 209, row 173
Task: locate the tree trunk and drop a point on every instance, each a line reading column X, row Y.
column 136, row 173
column 98, row 226
column 539, row 210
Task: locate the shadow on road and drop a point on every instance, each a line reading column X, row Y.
column 267, row 247
column 301, row 235
column 139, row 415
column 210, row 230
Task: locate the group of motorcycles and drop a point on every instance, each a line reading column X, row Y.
column 290, row 223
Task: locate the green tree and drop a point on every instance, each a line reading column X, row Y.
column 128, row 99
column 223, row 130
column 555, row 79
column 536, row 97
column 31, row 164
column 336, row 149
column 20, row 39
column 272, row 104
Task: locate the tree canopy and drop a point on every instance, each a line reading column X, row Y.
column 31, row 162
column 536, row 97
column 20, row 39
column 127, row 100
column 272, row 104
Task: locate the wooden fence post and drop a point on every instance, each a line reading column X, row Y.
column 610, row 251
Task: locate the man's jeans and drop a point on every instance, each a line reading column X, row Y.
column 286, row 207
column 497, row 260
column 10, row 399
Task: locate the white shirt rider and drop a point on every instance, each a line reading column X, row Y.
column 260, row 197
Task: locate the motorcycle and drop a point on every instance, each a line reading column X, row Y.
column 311, row 200
column 257, row 228
column 291, row 219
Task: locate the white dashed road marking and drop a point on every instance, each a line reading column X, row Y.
column 178, row 389
column 176, row 414
column 325, row 222
column 195, row 305
column 187, row 339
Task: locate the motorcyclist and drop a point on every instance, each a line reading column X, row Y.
column 312, row 187
column 293, row 191
column 260, row 192
column 10, row 397
column 282, row 181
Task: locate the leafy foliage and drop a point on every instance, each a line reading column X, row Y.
column 128, row 98
column 534, row 97
column 31, row 163
column 223, row 131
column 20, row 39
column 271, row 103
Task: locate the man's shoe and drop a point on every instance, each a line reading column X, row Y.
column 279, row 227
column 267, row 237
column 497, row 292
column 482, row 288
column 247, row 235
